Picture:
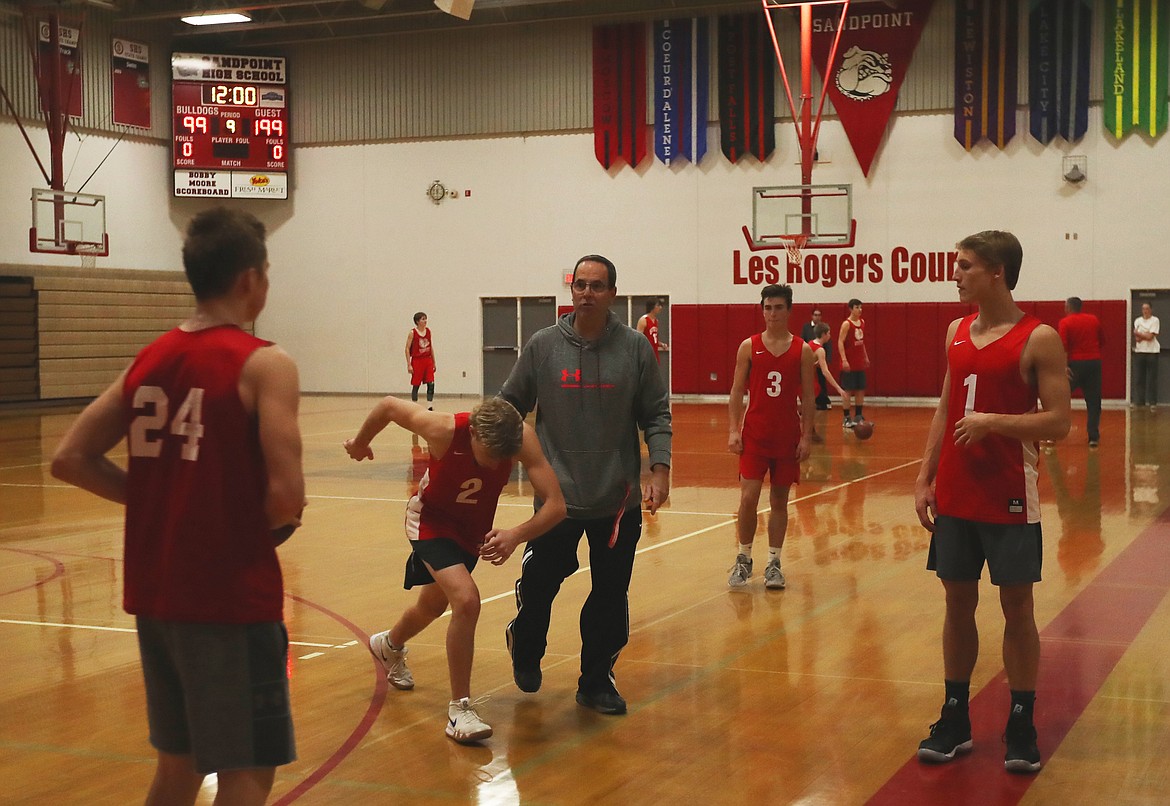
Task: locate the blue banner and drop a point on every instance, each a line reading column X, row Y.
column 1059, row 41
column 681, row 64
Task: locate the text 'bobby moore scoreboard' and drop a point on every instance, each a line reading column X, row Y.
column 231, row 131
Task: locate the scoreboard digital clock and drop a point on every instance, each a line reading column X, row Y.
column 230, row 126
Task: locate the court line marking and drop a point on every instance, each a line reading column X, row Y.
column 100, row 628
column 511, row 593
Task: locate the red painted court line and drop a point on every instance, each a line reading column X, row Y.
column 1078, row 650
column 363, row 727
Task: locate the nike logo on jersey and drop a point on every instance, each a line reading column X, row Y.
column 960, row 341
column 759, row 352
column 460, row 453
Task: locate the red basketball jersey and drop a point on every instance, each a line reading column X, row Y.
column 457, row 498
column 652, row 332
column 198, row 545
column 420, row 345
column 771, row 426
column 993, row 480
column 855, row 350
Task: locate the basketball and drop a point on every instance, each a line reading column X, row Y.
column 863, row 430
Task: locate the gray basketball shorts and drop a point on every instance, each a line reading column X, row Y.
column 959, row 548
column 218, row 692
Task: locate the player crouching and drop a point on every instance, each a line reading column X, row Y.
column 449, row 524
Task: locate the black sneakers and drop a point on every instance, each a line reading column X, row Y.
column 950, row 735
column 606, row 701
column 528, row 678
column 1020, row 736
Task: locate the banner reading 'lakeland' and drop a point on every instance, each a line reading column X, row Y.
column 619, row 93
column 1137, row 37
column 987, row 55
column 681, row 64
column 1059, row 40
column 872, row 57
column 747, row 87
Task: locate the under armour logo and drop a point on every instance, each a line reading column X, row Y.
column 567, row 375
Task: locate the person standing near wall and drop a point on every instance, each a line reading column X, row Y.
column 594, row 384
column 854, row 362
column 808, row 332
column 648, row 325
column 1145, row 358
column 420, row 359
column 976, row 491
column 214, row 484
column 772, row 438
column 1082, row 337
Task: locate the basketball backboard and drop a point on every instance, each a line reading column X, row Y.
column 821, row 213
column 68, row 223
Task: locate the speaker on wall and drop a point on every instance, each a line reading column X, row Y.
column 456, row 8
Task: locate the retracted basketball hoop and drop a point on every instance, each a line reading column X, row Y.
column 804, row 215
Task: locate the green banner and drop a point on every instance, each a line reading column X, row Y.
column 1137, row 61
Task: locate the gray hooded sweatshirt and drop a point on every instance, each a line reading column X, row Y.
column 593, row 398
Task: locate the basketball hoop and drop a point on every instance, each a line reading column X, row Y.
column 88, row 253
column 793, row 243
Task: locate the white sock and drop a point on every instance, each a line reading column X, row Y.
column 745, row 549
column 774, row 554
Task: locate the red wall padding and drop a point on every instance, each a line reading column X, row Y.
column 905, row 342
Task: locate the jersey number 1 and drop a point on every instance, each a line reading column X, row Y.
column 187, row 423
column 969, row 384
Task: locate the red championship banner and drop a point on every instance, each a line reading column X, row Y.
column 619, row 93
column 130, row 78
column 873, row 56
column 69, row 74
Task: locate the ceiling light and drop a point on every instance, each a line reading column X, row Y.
column 217, row 19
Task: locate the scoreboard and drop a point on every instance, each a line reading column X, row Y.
column 230, row 126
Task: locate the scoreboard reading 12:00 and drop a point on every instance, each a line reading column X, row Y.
column 230, row 126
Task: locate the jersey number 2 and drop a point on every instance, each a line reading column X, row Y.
column 470, row 488
column 187, row 423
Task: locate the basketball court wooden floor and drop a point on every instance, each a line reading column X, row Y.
column 815, row 695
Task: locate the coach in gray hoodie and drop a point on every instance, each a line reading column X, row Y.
column 594, row 383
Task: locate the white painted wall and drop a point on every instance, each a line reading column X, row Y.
column 359, row 246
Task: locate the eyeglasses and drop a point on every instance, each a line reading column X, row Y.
column 596, row 286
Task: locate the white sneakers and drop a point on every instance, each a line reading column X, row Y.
column 464, row 724
column 741, row 572
column 393, row 661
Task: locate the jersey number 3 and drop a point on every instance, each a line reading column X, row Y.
column 187, row 422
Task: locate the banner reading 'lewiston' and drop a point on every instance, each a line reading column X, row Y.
column 987, row 55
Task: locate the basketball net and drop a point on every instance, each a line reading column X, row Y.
column 794, row 243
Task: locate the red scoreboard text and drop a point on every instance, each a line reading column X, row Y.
column 230, row 126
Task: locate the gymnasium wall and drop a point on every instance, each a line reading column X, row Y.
column 904, row 339
column 358, row 246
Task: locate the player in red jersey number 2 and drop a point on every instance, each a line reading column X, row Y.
column 449, row 523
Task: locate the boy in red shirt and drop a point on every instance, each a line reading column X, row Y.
column 449, row 524
column 1082, row 337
